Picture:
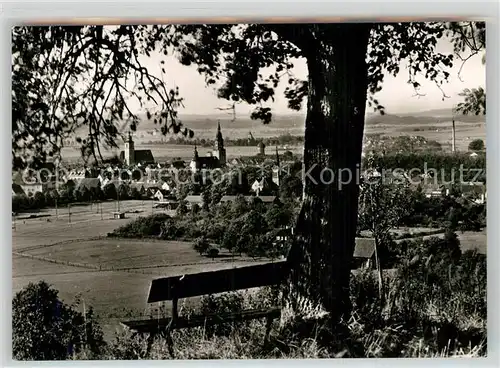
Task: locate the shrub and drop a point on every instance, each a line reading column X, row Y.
column 213, row 252
column 476, row 145
column 44, row 328
column 143, row 227
column 201, row 245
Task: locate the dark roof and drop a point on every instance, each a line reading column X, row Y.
column 364, row 248
column 16, row 188
column 207, row 162
column 178, row 164
column 144, row 156
column 88, row 183
column 140, row 156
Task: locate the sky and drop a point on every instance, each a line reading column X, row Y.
column 396, row 96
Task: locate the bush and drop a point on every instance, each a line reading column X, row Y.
column 201, row 245
column 213, row 252
column 44, row 328
column 476, row 145
column 143, row 227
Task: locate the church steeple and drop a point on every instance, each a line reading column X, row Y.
column 219, row 150
column 129, row 152
column 277, row 170
column 219, row 141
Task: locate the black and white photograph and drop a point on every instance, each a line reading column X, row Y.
column 249, row 190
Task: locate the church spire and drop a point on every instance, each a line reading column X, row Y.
column 219, row 141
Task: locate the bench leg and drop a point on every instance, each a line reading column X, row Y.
column 151, row 339
column 269, row 323
column 170, row 342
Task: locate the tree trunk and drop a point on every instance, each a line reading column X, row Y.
column 322, row 250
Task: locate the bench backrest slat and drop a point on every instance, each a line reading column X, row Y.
column 216, row 281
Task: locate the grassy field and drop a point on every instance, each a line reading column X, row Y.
column 441, row 132
column 43, row 250
column 468, row 240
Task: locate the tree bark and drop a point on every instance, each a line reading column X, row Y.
column 321, row 254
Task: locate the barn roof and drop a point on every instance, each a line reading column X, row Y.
column 364, row 248
column 194, row 199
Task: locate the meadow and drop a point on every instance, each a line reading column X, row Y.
column 113, row 276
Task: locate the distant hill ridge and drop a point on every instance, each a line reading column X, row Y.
column 295, row 122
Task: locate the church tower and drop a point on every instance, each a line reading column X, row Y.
column 129, row 151
column 195, row 162
column 219, row 150
column 277, row 169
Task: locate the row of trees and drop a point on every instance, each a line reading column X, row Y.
column 443, row 166
column 240, row 226
column 69, row 194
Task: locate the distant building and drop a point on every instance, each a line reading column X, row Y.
column 475, row 192
column 285, row 234
column 435, row 191
column 214, row 160
column 130, row 156
column 263, row 186
column 28, row 185
column 150, row 190
column 194, row 199
column 141, row 189
column 208, row 162
column 161, row 195
column 364, row 253
column 262, row 148
column 277, row 170
column 76, row 175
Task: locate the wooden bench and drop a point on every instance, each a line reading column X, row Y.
column 206, row 283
